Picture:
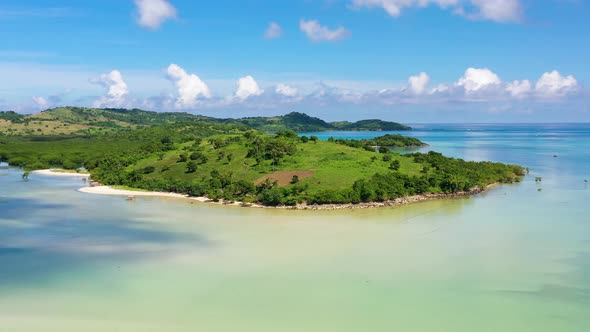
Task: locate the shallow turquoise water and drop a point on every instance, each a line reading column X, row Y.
column 512, row 259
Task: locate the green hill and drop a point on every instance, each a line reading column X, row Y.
column 369, row 125
column 295, row 121
column 301, row 122
column 90, row 121
column 11, row 116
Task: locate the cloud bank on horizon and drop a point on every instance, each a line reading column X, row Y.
column 191, row 91
column 475, row 85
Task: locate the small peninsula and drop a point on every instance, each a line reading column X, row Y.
column 238, row 162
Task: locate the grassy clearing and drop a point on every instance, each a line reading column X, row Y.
column 333, row 166
column 337, row 166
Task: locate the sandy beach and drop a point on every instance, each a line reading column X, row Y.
column 106, row 190
column 57, row 172
column 110, row 191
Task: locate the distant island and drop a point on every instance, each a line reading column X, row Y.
column 80, row 120
column 240, row 160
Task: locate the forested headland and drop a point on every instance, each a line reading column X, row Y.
column 236, row 162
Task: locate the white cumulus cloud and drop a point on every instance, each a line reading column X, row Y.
column 41, row 102
column 286, row 90
column 190, row 87
column 117, row 89
column 502, row 11
column 247, row 87
column 395, row 7
column 519, row 88
column 476, row 79
column 318, row 33
column 553, row 84
column 418, row 84
column 273, row 31
column 152, row 13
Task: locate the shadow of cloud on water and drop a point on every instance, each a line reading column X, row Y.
column 36, row 244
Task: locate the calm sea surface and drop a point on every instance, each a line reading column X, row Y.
column 512, row 259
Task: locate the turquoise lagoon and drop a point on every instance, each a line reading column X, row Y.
column 512, row 259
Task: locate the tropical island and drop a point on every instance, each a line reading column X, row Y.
column 237, row 160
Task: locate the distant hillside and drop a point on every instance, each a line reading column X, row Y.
column 301, row 122
column 88, row 121
column 369, row 125
column 11, row 116
column 113, row 117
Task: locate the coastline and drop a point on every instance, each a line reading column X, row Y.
column 110, row 191
column 106, row 190
column 57, row 172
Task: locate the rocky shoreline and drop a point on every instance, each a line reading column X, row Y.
column 389, row 203
column 370, row 205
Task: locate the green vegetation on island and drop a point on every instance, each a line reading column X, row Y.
column 234, row 162
column 369, row 125
column 301, row 122
column 381, row 142
column 90, row 121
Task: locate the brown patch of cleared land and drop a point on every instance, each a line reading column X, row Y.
column 284, row 177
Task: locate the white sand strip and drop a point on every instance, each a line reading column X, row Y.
column 106, row 190
column 56, row 172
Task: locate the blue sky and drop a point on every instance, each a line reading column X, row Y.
column 405, row 60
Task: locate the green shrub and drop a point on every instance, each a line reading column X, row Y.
column 395, row 165
column 148, row 170
column 191, row 167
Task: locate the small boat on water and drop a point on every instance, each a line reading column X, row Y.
column 130, row 198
